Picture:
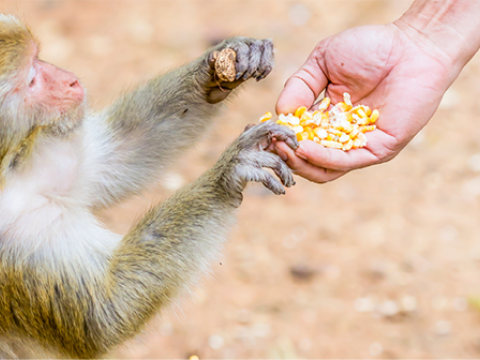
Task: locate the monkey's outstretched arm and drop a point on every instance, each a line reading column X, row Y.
column 146, row 130
column 85, row 309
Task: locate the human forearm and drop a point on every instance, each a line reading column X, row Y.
column 448, row 29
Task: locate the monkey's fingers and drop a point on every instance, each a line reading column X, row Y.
column 264, row 159
column 251, row 173
column 266, row 63
column 281, row 169
column 288, row 137
column 254, row 59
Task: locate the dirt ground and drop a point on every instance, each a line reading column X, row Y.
column 382, row 263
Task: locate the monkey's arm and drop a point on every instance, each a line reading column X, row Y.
column 146, row 130
column 86, row 306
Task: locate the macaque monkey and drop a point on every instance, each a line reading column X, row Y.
column 69, row 287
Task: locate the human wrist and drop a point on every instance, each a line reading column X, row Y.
column 447, row 29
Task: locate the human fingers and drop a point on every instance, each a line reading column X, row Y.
column 304, row 169
column 303, row 87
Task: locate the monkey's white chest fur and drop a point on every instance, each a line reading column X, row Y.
column 37, row 205
column 37, row 196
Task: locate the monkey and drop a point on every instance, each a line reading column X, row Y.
column 69, row 287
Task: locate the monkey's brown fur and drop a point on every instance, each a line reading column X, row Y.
column 68, row 287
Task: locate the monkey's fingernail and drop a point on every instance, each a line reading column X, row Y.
column 238, row 76
column 294, row 183
column 283, row 192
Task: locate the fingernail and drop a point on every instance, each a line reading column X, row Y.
column 300, row 152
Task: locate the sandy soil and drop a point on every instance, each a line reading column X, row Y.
column 383, row 263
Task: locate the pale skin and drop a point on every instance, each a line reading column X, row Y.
column 403, row 69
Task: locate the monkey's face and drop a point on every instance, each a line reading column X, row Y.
column 35, row 92
column 51, row 89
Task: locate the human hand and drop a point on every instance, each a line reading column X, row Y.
column 379, row 66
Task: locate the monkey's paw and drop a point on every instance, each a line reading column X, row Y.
column 250, row 58
column 252, row 157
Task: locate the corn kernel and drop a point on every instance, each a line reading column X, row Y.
column 342, row 106
column 310, row 133
column 268, row 115
column 297, row 129
column 348, row 145
column 335, row 131
column 363, row 121
column 300, row 111
column 321, row 133
column 354, row 133
column 342, row 127
column 367, row 128
column 302, row 136
column 347, row 99
column 306, row 116
column 344, row 138
column 361, row 113
column 367, row 110
column 347, row 126
column 357, row 143
column 374, row 116
column 324, row 104
column 331, row 144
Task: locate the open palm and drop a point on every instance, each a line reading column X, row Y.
column 380, row 67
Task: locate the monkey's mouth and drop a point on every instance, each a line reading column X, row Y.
column 62, row 121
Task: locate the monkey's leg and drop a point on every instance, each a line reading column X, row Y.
column 143, row 132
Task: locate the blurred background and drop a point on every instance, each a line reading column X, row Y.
column 382, row 263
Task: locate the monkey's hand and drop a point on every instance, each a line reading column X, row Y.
column 247, row 157
column 254, row 59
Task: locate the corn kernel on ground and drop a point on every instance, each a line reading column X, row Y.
column 342, row 127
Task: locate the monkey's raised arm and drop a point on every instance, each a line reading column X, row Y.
column 148, row 128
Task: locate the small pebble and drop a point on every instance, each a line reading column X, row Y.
column 409, row 303
column 443, row 328
column 388, row 308
column 215, row 341
column 375, row 349
column 302, row 272
column 363, row 305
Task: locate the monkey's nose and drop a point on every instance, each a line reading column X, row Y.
column 74, row 83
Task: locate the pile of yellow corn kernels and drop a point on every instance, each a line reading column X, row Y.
column 341, row 127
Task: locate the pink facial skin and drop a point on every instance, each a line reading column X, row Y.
column 52, row 89
column 56, row 89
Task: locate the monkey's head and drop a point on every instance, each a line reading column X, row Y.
column 33, row 92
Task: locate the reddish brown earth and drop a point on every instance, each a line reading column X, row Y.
column 383, row 263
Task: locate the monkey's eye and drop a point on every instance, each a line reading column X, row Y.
column 31, row 76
